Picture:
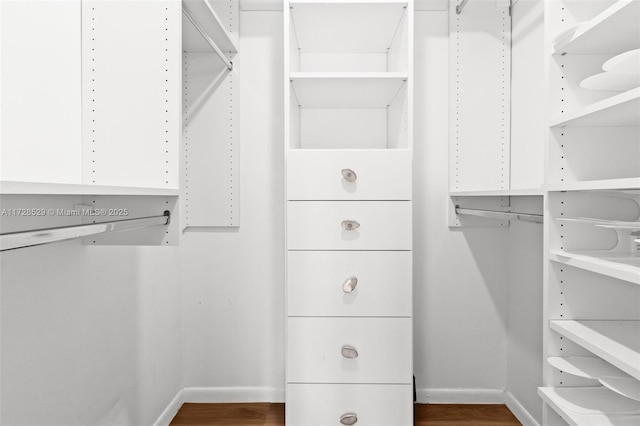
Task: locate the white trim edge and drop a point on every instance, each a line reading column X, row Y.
column 519, row 411
column 461, row 396
column 233, row 394
column 170, row 412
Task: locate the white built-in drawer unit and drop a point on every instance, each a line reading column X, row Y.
column 378, row 175
column 349, row 350
column 322, row 405
column 319, row 283
column 324, row 225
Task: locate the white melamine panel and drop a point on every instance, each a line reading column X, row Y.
column 131, row 92
column 315, row 350
column 339, row 128
column 321, row 405
column 317, row 175
column 318, row 225
column 41, row 111
column 343, row 62
column 479, row 62
column 315, row 283
column 210, row 142
column 527, row 106
column 346, row 90
column 362, row 27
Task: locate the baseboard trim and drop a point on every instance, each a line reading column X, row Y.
column 460, row 396
column 233, row 394
column 170, row 412
column 519, row 411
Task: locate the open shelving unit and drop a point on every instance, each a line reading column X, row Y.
column 348, row 153
column 614, row 28
column 570, row 404
column 592, row 304
column 618, row 110
column 617, row 342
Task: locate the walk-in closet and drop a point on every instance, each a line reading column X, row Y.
column 319, row 212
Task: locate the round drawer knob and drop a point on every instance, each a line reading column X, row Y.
column 350, row 284
column 349, row 352
column 349, row 419
column 349, row 175
column 350, row 225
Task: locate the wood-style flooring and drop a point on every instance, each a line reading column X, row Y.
column 265, row 414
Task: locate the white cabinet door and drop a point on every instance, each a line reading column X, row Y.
column 349, row 225
column 349, row 283
column 323, row 405
column 377, row 175
column 349, row 350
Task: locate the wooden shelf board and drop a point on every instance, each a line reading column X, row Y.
column 563, row 399
column 208, row 19
column 615, row 30
column 346, row 90
column 617, row 342
column 623, row 266
column 346, row 26
column 595, row 185
column 621, row 110
column 41, row 188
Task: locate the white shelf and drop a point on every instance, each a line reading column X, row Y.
column 617, row 342
column 615, row 30
column 346, row 26
column 620, row 110
column 499, row 193
column 40, row 188
column 208, row 19
column 346, row 89
column 569, row 403
column 623, row 266
column 595, row 185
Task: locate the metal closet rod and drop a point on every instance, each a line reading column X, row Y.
column 205, row 36
column 496, row 214
column 461, row 6
column 36, row 237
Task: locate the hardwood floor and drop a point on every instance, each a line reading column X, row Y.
column 265, row 414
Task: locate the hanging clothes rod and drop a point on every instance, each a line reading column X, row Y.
column 493, row 214
column 461, row 6
column 187, row 12
column 36, row 237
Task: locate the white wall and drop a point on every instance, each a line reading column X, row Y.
column 524, row 347
column 90, row 335
column 459, row 274
column 234, row 277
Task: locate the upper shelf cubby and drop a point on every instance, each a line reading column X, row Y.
column 348, row 36
column 209, row 21
column 613, row 30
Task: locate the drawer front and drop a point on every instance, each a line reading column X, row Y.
column 318, row 175
column 317, row 349
column 320, row 283
column 320, row 225
column 373, row 405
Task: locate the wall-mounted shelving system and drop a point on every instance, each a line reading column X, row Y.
column 210, row 179
column 592, row 260
column 108, row 109
column 348, row 148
